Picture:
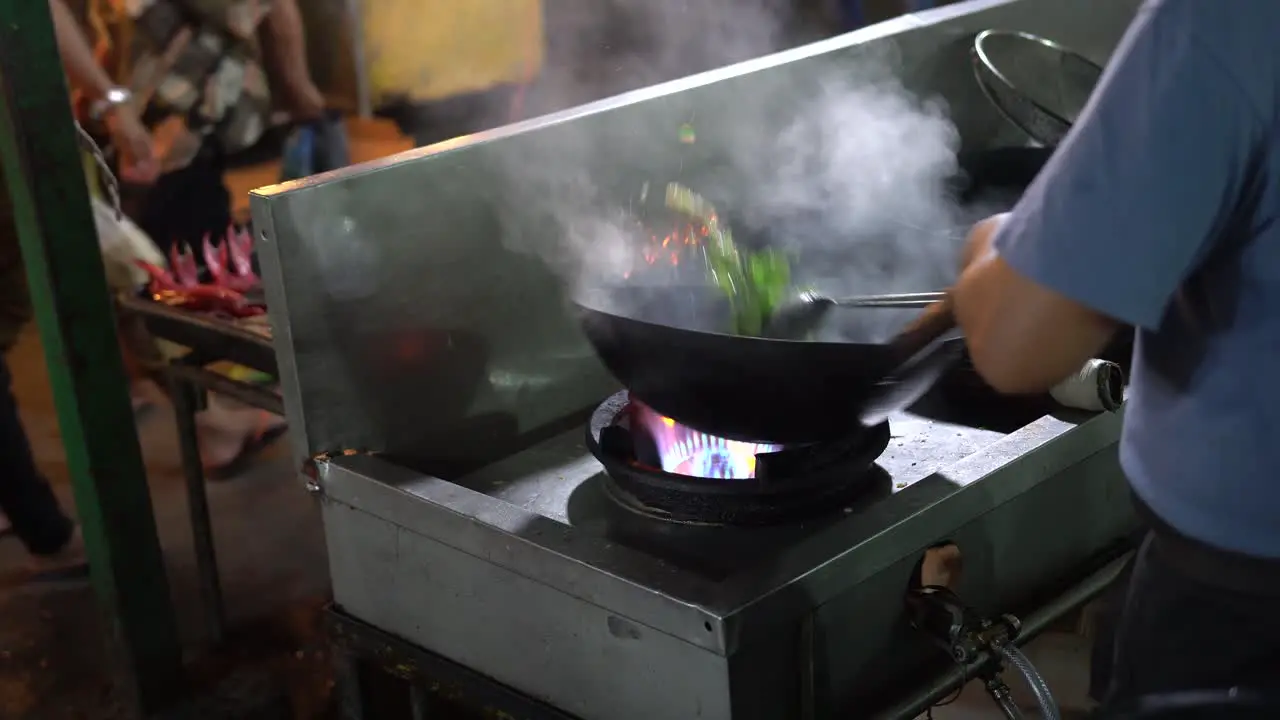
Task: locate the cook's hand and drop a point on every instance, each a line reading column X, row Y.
column 978, row 244
column 133, row 143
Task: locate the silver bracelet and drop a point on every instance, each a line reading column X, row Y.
column 112, row 99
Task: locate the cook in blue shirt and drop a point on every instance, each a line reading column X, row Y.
column 1159, row 211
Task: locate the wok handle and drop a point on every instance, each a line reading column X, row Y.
column 935, row 335
column 938, row 319
column 898, row 300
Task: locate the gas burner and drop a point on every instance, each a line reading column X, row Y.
column 659, row 468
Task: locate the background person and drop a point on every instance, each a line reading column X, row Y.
column 207, row 92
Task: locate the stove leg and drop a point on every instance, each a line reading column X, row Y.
column 808, row 670
column 418, row 702
column 348, row 687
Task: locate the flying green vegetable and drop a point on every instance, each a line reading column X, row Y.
column 755, row 282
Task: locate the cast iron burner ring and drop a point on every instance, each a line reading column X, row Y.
column 791, row 483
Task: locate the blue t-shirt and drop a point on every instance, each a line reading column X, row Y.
column 1159, row 210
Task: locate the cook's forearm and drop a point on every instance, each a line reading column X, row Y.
column 1023, row 337
column 77, row 55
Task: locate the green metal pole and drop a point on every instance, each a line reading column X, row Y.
column 74, row 311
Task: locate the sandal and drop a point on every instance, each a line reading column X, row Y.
column 74, row 573
column 143, row 408
column 270, row 428
column 68, row 565
column 142, row 399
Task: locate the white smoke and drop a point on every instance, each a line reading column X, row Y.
column 844, row 168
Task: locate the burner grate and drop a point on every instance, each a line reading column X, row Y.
column 789, row 484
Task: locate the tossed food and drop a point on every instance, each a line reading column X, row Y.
column 755, row 282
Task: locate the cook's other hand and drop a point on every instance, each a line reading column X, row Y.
column 978, row 244
column 133, row 144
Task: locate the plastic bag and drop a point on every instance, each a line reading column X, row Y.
column 315, row 147
column 123, row 244
column 121, row 241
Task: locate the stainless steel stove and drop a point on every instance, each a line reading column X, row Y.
column 440, row 396
column 528, row 572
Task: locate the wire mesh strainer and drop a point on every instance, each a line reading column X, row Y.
column 1036, row 84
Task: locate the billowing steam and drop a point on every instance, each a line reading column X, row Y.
column 843, row 168
column 857, row 186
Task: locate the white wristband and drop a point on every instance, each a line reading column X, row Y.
column 1098, row 386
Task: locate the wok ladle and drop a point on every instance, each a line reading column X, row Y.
column 796, row 320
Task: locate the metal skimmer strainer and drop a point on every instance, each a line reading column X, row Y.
column 1036, row 84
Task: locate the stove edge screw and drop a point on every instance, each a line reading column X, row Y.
column 311, row 471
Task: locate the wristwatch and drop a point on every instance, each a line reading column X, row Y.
column 112, row 99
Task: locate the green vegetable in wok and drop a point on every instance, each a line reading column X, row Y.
column 755, row 282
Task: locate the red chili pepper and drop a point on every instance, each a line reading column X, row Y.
column 240, row 244
column 161, row 280
column 183, row 262
column 215, row 292
column 215, row 258
column 200, row 297
column 209, row 298
column 250, row 311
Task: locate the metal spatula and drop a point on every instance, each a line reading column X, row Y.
column 796, row 320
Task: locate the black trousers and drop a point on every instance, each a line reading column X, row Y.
column 25, row 496
column 185, row 205
column 1181, row 624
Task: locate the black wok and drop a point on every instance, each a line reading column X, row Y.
column 761, row 390
column 664, row 345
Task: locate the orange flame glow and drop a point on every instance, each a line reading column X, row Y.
column 685, row 451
